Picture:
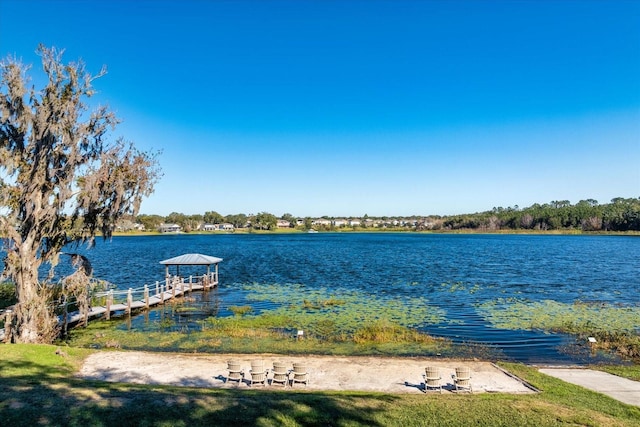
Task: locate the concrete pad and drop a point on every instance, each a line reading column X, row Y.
column 619, row 388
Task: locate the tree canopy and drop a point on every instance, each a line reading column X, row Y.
column 265, row 221
column 62, row 179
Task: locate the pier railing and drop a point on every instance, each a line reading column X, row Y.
column 150, row 295
column 114, row 301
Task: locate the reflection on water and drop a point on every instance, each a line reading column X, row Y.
column 454, row 273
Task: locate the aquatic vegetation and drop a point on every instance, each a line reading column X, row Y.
column 268, row 332
column 460, row 287
column 336, row 317
column 240, row 310
column 166, row 323
column 384, row 332
column 453, row 287
column 613, row 327
column 623, row 343
column 322, row 303
column 186, row 309
column 555, row 316
column 346, row 309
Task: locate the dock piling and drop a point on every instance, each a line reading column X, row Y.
column 109, row 302
column 86, row 306
column 129, row 300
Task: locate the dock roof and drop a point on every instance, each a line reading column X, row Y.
column 192, row 259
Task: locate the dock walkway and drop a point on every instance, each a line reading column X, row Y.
column 117, row 302
column 131, row 300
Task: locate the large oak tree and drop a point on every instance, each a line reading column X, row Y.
column 62, row 179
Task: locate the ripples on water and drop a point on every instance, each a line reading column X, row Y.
column 561, row 268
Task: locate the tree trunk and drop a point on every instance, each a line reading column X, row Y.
column 35, row 322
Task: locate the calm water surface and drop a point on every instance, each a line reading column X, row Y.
column 561, row 268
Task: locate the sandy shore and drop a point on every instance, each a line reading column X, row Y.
column 384, row 374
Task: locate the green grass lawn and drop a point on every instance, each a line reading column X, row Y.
column 39, row 387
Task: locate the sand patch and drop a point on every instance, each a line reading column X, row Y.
column 354, row 373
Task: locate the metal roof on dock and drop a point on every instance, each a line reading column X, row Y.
column 192, row 259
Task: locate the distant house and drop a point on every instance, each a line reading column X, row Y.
column 283, row 223
column 339, row 222
column 169, row 228
column 218, row 227
column 321, row 221
column 354, row 222
column 128, row 225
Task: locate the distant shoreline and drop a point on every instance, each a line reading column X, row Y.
column 384, row 231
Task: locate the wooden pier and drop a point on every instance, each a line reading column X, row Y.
column 125, row 302
column 128, row 301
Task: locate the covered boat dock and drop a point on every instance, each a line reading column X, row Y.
column 193, row 259
column 173, row 286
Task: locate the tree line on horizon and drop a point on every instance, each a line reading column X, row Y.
column 621, row 214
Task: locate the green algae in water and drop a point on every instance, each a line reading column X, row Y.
column 549, row 315
column 341, row 311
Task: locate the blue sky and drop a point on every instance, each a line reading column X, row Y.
column 346, row 108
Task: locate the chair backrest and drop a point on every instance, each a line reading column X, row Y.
column 234, row 366
column 235, row 370
column 463, row 378
column 432, row 373
column 299, row 368
column 463, row 373
column 279, row 368
column 280, row 373
column 257, row 366
column 300, row 371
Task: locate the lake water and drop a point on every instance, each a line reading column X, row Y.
column 380, row 266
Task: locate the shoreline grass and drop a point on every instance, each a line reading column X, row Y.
column 249, row 334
